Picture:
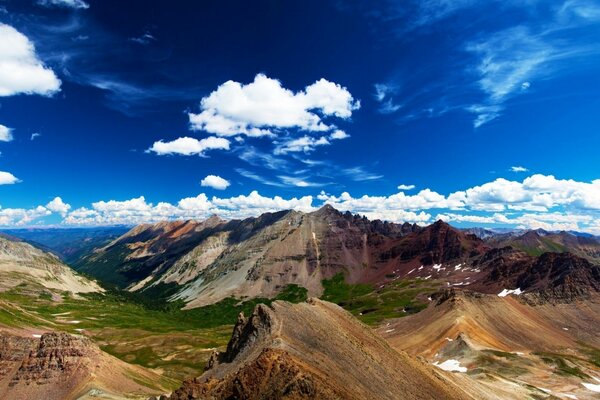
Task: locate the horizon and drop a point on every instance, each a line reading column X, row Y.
column 497, row 229
column 400, row 111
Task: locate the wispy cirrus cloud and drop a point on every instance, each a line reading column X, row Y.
column 75, row 4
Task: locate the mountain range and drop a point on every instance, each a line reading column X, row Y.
column 333, row 306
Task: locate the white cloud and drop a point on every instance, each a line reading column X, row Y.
column 21, row 72
column 5, row 134
column 77, row 4
column 256, row 108
column 406, row 187
column 138, row 210
column 20, row 216
column 538, row 201
column 518, row 169
column 6, row 178
column 338, row 135
column 188, row 146
column 58, row 206
column 215, row 182
column 35, row 135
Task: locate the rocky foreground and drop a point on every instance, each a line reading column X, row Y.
column 313, row 350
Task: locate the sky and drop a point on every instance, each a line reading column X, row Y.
column 478, row 113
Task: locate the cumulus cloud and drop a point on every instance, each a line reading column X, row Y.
column 338, row 135
column 5, row 134
column 21, row 71
column 258, row 108
column 35, row 136
column 21, row 216
column 58, row 206
column 189, row 146
column 215, row 182
column 76, row 4
column 538, row 201
column 6, row 178
column 138, row 210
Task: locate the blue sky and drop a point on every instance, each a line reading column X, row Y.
column 479, row 113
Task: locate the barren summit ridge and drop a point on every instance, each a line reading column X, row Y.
column 313, row 350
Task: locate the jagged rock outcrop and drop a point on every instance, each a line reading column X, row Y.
column 313, row 350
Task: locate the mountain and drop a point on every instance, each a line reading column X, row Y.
column 313, row 350
column 21, row 263
column 561, row 277
column 204, row 262
column 58, row 366
column 537, row 242
column 69, row 244
column 513, row 348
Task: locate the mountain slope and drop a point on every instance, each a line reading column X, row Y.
column 21, row 263
column 505, row 343
column 313, row 350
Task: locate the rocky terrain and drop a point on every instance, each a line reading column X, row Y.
column 313, row 350
column 62, row 366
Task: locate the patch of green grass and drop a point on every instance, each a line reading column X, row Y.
column 563, row 365
column 135, row 329
column 372, row 305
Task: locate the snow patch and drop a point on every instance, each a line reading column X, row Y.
column 36, row 335
column 411, row 271
column 569, row 396
column 390, row 330
column 437, row 266
column 592, row 387
column 456, row 268
column 451, row 365
column 506, row 292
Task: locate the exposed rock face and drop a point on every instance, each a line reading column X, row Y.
column 215, row 259
column 57, row 355
column 554, row 277
column 60, row 366
column 313, row 350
